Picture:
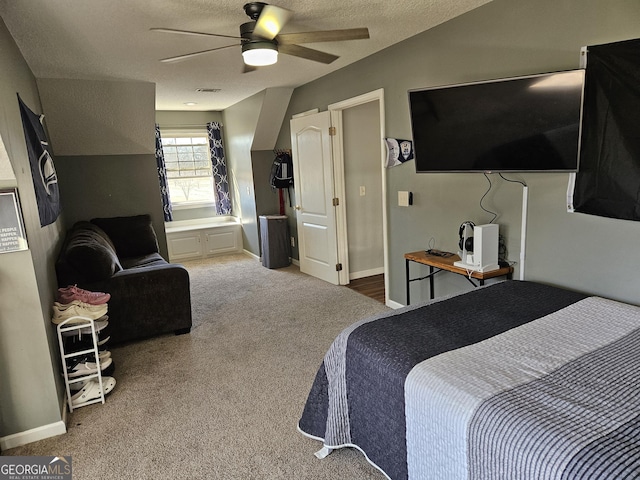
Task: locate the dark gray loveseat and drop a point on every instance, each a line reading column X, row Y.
column 119, row 255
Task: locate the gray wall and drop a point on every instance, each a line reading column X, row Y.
column 502, row 38
column 117, row 174
column 31, row 388
column 240, row 122
column 249, row 133
column 93, row 117
column 185, row 119
column 361, row 145
column 267, row 200
column 111, row 186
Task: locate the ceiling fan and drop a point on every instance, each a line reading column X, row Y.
column 261, row 39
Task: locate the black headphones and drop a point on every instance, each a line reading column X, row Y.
column 468, row 246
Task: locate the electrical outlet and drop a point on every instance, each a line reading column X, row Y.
column 362, row 191
column 293, row 241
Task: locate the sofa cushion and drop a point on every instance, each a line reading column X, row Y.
column 132, row 236
column 151, row 260
column 89, row 250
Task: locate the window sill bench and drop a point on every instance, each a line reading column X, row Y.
column 201, row 238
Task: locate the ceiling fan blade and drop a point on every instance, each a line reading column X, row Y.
column 187, row 32
column 194, row 54
column 271, row 21
column 308, row 53
column 323, row 36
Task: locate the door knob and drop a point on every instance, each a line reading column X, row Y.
column 298, row 207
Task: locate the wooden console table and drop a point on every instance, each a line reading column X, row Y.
column 439, row 264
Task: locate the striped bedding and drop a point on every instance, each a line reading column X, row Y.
column 516, row 380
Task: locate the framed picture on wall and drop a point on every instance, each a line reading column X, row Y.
column 13, row 237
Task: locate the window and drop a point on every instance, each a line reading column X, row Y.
column 188, row 164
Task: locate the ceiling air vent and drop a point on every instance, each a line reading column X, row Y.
column 208, row 90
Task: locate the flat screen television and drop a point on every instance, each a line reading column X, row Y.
column 527, row 124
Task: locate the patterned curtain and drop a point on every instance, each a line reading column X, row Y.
column 219, row 166
column 162, row 177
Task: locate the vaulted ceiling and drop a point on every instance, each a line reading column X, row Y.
column 111, row 40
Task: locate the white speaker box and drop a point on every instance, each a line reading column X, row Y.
column 484, row 257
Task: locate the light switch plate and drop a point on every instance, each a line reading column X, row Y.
column 403, row 199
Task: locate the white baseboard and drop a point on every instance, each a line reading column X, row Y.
column 366, row 273
column 293, row 260
column 33, row 435
column 253, row 255
column 394, row 305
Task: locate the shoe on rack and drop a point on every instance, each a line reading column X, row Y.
column 84, row 367
column 107, row 380
column 99, row 325
column 108, row 383
column 77, row 304
column 91, row 390
column 72, row 292
column 79, row 343
column 78, row 320
column 79, row 347
column 62, row 313
column 88, row 392
column 102, row 355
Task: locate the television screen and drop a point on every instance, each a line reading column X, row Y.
column 530, row 123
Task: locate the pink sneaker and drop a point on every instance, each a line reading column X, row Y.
column 72, row 292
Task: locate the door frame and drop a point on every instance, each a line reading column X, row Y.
column 335, row 110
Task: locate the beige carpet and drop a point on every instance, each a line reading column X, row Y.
column 222, row 402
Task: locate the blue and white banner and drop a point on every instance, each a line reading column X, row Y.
column 45, row 179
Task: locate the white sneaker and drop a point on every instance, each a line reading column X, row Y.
column 62, row 314
column 75, row 386
column 99, row 325
column 91, row 390
column 87, row 368
column 77, row 303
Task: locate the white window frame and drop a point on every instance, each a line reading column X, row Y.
column 176, row 133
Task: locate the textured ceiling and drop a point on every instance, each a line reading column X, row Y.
column 110, row 40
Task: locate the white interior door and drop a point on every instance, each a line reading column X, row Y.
column 313, row 176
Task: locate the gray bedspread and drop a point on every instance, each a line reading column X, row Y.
column 516, row 380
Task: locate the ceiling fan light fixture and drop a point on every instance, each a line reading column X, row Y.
column 259, row 54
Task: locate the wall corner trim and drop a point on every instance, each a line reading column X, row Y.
column 393, row 304
column 32, row 435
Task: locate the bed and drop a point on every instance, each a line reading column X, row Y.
column 515, row 380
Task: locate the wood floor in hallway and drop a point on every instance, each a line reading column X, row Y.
column 370, row 286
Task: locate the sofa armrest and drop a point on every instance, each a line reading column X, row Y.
column 148, row 301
